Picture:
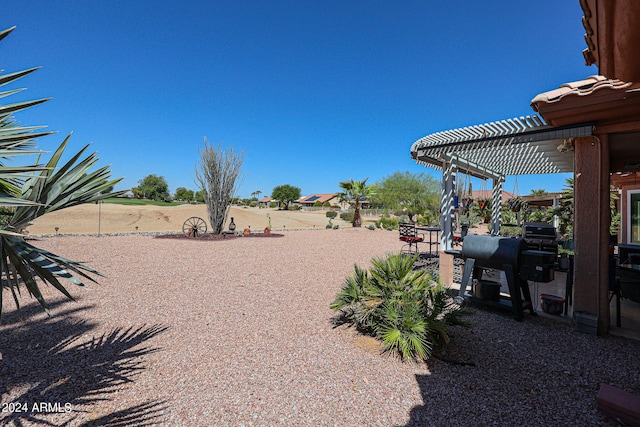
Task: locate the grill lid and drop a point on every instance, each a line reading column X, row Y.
column 539, row 230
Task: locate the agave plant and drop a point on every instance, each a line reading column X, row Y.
column 402, row 307
column 27, row 192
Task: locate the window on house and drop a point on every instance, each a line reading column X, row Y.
column 634, row 216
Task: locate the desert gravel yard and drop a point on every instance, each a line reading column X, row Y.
column 239, row 332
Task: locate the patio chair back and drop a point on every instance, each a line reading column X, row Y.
column 409, row 235
column 407, row 231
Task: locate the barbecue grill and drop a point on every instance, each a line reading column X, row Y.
column 540, row 236
column 510, row 255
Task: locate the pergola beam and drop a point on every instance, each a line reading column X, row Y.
column 509, row 147
column 470, row 167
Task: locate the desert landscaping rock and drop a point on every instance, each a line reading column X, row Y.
column 240, row 333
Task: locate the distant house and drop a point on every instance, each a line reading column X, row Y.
column 315, row 199
column 486, row 194
column 265, row 201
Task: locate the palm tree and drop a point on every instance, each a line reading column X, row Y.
column 539, row 192
column 27, row 192
column 355, row 192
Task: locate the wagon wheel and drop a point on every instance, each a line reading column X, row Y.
column 194, row 227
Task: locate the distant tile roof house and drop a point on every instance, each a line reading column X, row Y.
column 312, row 199
column 265, row 200
column 486, row 194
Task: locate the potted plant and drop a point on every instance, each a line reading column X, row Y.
column 483, row 203
column 563, row 258
column 515, row 203
column 267, row 229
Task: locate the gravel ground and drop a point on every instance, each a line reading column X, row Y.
column 238, row 332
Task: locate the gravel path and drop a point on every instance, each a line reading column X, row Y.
column 238, row 332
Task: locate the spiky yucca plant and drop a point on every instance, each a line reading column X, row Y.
column 27, row 192
column 402, row 307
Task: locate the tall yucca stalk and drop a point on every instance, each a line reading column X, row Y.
column 27, row 192
column 219, row 174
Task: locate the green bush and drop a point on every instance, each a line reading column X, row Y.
column 331, row 214
column 326, row 205
column 422, row 220
column 510, row 231
column 402, row 307
column 273, row 205
column 371, row 227
column 387, row 223
column 346, row 216
column 317, row 204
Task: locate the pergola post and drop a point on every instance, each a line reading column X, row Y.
column 447, row 213
column 591, row 229
column 496, row 205
column 556, row 220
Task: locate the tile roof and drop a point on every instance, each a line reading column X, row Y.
column 486, row 194
column 612, row 36
column 595, row 99
column 313, row 198
column 585, row 87
column 591, row 37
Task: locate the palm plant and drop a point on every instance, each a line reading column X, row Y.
column 27, row 192
column 355, row 191
column 564, row 210
column 402, row 307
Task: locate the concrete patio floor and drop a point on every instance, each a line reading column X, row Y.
column 629, row 310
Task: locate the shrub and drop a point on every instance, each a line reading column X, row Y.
column 403, row 308
column 371, row 227
column 346, row 216
column 387, row 223
column 326, row 205
column 422, row 220
column 317, row 204
column 273, row 205
column 331, row 214
column 510, row 231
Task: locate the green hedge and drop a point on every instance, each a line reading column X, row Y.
column 347, row 216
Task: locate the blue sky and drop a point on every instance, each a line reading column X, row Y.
column 314, row 92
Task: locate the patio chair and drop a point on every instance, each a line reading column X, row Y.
column 410, row 236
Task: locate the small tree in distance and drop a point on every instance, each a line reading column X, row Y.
column 409, row 193
column 183, row 193
column 286, row 194
column 152, row 187
column 218, row 174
